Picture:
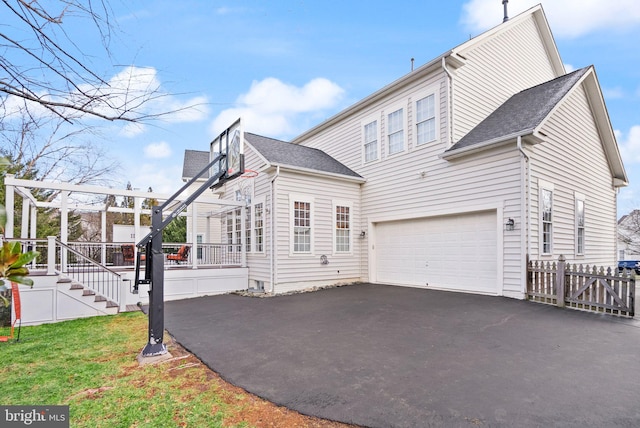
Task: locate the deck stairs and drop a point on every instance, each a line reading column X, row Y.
column 88, row 297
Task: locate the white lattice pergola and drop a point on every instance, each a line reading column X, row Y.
column 64, row 205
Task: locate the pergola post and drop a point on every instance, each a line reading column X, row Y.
column 64, row 227
column 24, row 229
column 103, row 237
column 9, row 202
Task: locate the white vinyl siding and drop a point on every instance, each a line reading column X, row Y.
column 496, row 68
column 371, row 146
column 573, row 138
column 395, row 131
column 295, row 271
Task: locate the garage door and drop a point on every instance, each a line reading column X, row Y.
column 457, row 252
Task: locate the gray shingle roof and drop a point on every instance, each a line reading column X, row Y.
column 521, row 113
column 282, row 153
column 194, row 162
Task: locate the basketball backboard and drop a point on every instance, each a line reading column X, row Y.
column 230, row 142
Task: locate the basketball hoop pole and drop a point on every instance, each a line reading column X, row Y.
column 154, row 271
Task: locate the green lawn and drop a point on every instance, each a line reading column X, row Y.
column 90, row 365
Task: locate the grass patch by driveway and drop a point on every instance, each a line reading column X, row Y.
column 90, row 364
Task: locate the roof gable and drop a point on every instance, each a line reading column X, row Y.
column 522, row 113
column 282, row 153
column 525, row 113
column 194, row 161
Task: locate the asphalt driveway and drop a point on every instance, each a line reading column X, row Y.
column 383, row 356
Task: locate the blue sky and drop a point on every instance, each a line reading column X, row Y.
column 286, row 66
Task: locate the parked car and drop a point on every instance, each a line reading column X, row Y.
column 629, row 264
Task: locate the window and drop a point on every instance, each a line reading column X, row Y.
column 395, row 131
column 247, row 228
column 579, row 225
column 301, row 222
column 199, row 239
column 371, row 141
column 426, row 119
column 258, row 231
column 342, row 229
column 238, row 229
column 229, row 221
column 546, row 208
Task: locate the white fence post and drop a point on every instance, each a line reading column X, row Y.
column 51, row 255
column 560, row 281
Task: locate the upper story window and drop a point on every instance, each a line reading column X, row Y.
column 426, row 119
column 395, row 131
column 370, row 141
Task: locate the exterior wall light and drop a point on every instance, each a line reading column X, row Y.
column 510, row 224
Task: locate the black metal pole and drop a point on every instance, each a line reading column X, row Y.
column 155, row 346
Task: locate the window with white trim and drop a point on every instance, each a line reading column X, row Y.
column 229, row 223
column 247, row 228
column 238, row 229
column 342, row 235
column 301, row 224
column 580, row 236
column 370, row 136
column 395, row 131
column 426, row 119
column 258, row 227
column 546, row 217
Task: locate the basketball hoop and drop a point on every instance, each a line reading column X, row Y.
column 249, row 173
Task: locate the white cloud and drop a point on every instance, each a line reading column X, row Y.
column 273, row 108
column 132, row 129
column 157, row 150
column 630, row 145
column 568, row 18
column 569, row 68
column 161, row 180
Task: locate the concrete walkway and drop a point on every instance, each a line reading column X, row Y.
column 383, row 356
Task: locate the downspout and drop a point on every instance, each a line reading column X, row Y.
column 272, row 242
column 525, row 204
column 449, row 100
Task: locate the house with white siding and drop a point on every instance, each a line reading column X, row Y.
column 451, row 177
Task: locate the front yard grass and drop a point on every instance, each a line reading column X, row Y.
column 90, row 364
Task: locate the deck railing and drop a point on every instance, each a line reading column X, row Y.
column 111, row 254
column 89, row 273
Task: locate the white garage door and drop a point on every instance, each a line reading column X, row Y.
column 457, row 252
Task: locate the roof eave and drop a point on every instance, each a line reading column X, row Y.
column 315, row 172
column 489, row 144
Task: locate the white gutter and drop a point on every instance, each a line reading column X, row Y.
column 449, row 100
column 273, row 273
column 505, row 139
